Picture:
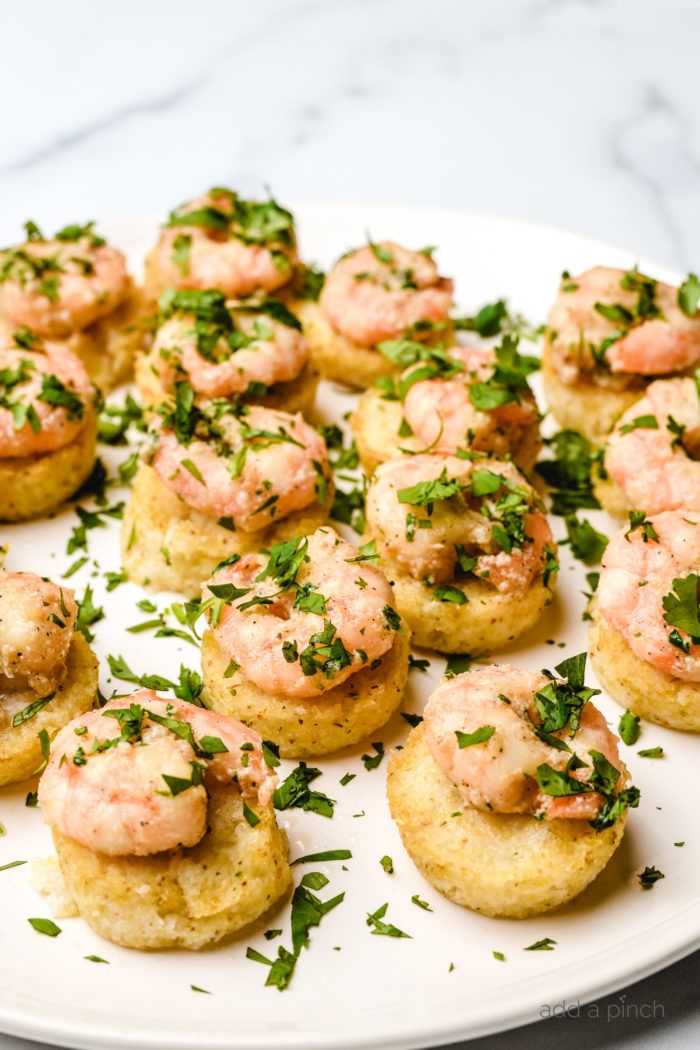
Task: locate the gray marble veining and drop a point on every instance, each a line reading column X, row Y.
column 580, row 114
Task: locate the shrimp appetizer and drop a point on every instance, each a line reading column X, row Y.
column 374, row 294
column 608, row 334
column 304, row 644
column 644, row 640
column 445, row 400
column 163, row 823
column 510, row 797
column 221, row 241
column 222, row 479
column 75, row 289
column 651, row 456
column 48, row 425
column 48, row 673
column 466, row 546
column 233, row 350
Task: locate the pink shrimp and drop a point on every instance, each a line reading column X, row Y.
column 114, row 781
column 303, row 648
column 443, row 417
column 244, row 345
column 461, row 501
column 60, row 286
column 648, row 453
column 37, row 619
column 638, row 573
column 381, row 291
column 221, row 241
column 44, row 394
column 499, row 773
column 254, row 466
column 633, row 323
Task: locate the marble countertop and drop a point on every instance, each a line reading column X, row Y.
column 575, row 113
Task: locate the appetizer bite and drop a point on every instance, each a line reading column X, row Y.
column 650, row 459
column 644, row 639
column 511, row 797
column 48, row 673
column 75, row 289
column 467, row 548
column 223, row 479
column 608, row 334
column 450, row 399
column 48, row 426
column 163, row 823
column 304, row 644
column 221, row 241
column 251, row 352
column 373, row 294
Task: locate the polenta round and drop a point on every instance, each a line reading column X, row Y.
column 503, row 865
column 306, row 727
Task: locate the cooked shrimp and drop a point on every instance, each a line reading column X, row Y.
column 108, row 781
column 37, row 619
column 499, row 772
column 433, row 515
column 307, row 616
column 221, row 241
column 382, row 291
column 443, row 416
column 222, row 349
column 649, row 451
column 626, row 321
column 44, row 393
column 638, row 579
column 253, row 465
column 60, row 286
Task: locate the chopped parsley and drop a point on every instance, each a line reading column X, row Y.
column 568, row 473
column 373, row 761
column 323, row 857
column 649, row 877
column 689, row 295
column 586, row 543
column 680, row 607
column 294, row 793
column 381, row 928
column 629, row 728
column 46, row 926
column 639, row 521
column 479, row 736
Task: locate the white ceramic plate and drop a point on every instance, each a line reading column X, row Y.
column 373, row 991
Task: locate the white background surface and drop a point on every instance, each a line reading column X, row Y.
column 573, row 113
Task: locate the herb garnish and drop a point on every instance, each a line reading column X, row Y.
column 384, row 929
column 294, row 792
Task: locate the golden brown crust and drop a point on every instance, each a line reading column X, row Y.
column 636, row 684
column 167, row 545
column 498, row 864
column 304, row 728
column 20, row 748
column 338, row 358
column 34, row 486
column 585, row 407
column 486, row 622
column 185, row 898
